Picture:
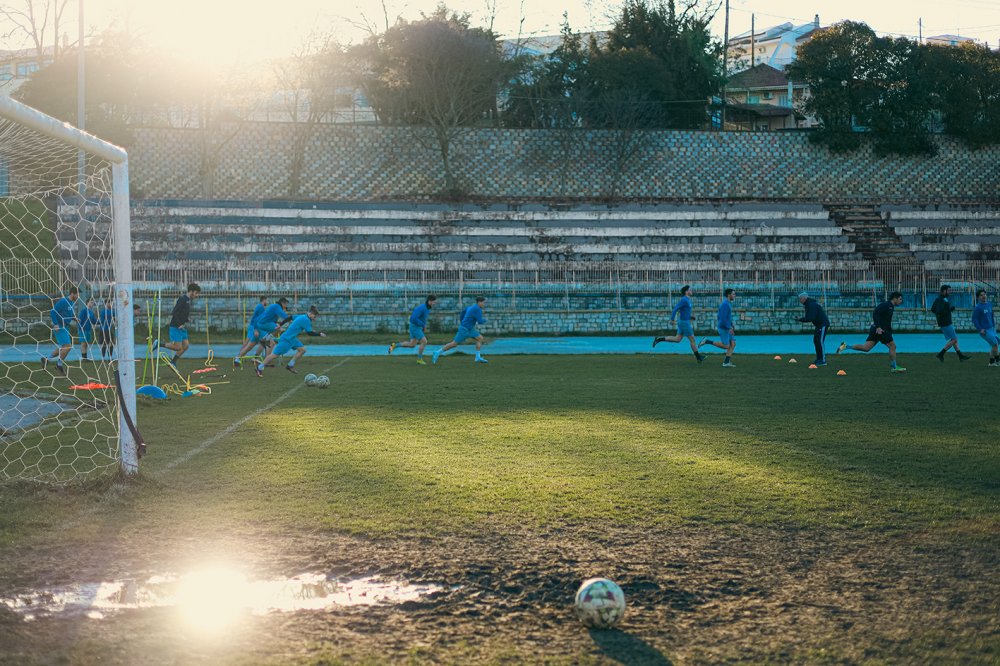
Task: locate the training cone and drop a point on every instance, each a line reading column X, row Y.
column 813, row 366
column 792, row 360
column 841, row 373
column 777, row 358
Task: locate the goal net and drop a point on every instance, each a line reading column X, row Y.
column 66, row 323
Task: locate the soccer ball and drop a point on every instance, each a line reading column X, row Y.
column 310, row 379
column 600, row 603
column 323, row 381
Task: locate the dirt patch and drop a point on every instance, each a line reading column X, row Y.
column 695, row 595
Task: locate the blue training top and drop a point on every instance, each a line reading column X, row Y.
column 682, row 310
column 982, row 317
column 471, row 316
column 106, row 319
column 272, row 313
column 62, row 313
column 301, row 324
column 257, row 312
column 87, row 319
column 726, row 315
column 419, row 316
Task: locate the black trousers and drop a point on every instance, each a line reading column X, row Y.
column 819, row 340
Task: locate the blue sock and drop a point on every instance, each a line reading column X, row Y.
column 892, row 364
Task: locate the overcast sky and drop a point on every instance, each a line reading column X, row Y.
column 227, row 31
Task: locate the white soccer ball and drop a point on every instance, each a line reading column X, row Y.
column 600, row 603
column 323, row 381
column 310, row 379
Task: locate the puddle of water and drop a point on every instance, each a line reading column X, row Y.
column 210, row 592
column 17, row 413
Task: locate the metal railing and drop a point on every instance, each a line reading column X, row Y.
column 607, row 285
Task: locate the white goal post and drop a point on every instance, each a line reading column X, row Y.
column 58, row 143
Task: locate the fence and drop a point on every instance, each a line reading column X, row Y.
column 569, row 287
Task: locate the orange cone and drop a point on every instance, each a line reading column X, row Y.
column 841, row 373
column 812, row 366
column 777, row 358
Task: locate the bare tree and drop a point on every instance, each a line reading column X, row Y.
column 227, row 104
column 34, row 22
column 309, row 83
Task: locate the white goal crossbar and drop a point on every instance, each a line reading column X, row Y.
column 122, row 267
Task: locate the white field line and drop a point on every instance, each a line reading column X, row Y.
column 119, row 488
column 236, row 425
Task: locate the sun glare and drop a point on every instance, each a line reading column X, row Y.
column 213, row 599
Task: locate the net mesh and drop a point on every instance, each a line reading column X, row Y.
column 58, row 407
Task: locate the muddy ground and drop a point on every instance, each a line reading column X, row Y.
column 695, row 595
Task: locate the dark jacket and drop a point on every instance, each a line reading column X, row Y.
column 942, row 309
column 882, row 316
column 181, row 313
column 815, row 314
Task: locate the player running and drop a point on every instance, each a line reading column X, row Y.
column 179, row 318
column 471, row 317
column 86, row 321
column 942, row 309
column 727, row 330
column 816, row 315
column 290, row 340
column 881, row 331
column 62, row 314
column 682, row 312
column 254, row 335
column 982, row 319
column 418, row 326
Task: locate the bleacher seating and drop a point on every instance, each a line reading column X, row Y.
column 944, row 237
column 433, row 236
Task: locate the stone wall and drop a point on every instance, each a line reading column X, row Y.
column 357, row 163
column 610, row 322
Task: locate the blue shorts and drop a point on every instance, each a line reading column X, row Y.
column 178, row 334
column 724, row 336
column 684, row 329
column 63, row 337
column 416, row 333
column 87, row 335
column 267, row 329
column 990, row 337
column 284, row 346
column 466, row 333
column 253, row 335
column 949, row 333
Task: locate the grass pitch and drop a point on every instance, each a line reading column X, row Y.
column 768, row 513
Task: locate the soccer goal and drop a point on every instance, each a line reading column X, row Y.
column 67, row 367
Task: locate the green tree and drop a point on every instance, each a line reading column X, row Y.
column 661, row 58
column 967, row 85
column 438, row 73
column 838, row 65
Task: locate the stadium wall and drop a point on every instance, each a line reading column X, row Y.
column 254, row 161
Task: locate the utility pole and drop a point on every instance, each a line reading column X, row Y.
column 725, row 67
column 920, row 28
column 753, row 39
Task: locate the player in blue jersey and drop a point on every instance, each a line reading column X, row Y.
column 472, row 316
column 418, row 328
column 106, row 327
column 254, row 336
column 942, row 309
column 726, row 328
column 86, row 322
column 289, row 340
column 815, row 314
column 62, row 315
column 881, row 331
column 685, row 328
column 179, row 318
column 982, row 319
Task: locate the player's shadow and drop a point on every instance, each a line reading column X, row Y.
column 627, row 649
